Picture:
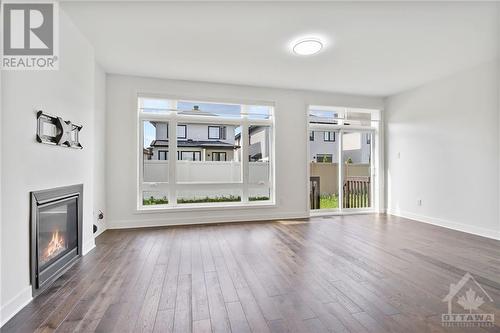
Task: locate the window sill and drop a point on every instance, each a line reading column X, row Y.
column 205, row 207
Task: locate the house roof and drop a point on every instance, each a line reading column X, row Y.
column 195, row 143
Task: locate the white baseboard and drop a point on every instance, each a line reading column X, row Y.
column 479, row 231
column 101, row 227
column 88, row 246
column 15, row 305
column 139, row 223
column 18, row 302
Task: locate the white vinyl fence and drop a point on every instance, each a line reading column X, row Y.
column 210, row 172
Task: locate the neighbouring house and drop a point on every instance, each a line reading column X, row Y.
column 258, row 145
column 195, row 142
column 323, row 147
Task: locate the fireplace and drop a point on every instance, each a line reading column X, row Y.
column 56, row 233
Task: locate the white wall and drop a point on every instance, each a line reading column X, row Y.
column 447, row 136
column 1, row 200
column 30, row 166
column 99, row 178
column 291, row 134
column 498, row 105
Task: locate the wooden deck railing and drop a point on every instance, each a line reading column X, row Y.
column 356, row 192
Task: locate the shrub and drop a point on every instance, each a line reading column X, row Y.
column 258, row 198
column 155, row 201
column 231, row 198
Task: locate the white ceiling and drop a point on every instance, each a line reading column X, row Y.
column 372, row 48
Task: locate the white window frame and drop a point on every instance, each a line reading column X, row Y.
column 173, row 186
column 219, row 132
column 342, row 126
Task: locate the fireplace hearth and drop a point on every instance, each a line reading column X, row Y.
column 56, row 233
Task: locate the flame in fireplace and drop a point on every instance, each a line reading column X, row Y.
column 55, row 245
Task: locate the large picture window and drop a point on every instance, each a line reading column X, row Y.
column 216, row 153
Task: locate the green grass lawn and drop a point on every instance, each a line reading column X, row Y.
column 231, row 198
column 154, row 201
column 328, row 201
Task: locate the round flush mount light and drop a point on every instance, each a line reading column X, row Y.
column 307, row 46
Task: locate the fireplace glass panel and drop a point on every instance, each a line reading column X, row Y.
column 57, row 230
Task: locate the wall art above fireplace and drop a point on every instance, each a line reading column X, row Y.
column 56, row 131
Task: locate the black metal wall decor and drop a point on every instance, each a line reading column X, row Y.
column 56, row 131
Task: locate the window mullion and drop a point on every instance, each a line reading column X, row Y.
column 341, row 170
column 141, row 165
column 172, row 158
column 245, row 138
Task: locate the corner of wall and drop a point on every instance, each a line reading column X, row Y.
column 99, row 178
column 498, row 113
column 413, row 120
column 1, row 176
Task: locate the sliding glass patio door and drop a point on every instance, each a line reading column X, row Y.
column 341, row 159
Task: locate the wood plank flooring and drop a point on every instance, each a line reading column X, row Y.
column 359, row 273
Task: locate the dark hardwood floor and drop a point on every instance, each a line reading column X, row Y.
column 359, row 273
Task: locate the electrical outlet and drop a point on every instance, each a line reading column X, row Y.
column 399, row 155
column 419, row 202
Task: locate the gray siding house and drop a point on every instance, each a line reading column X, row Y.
column 195, row 142
column 323, row 147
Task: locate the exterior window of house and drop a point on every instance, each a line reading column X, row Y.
column 311, row 136
column 176, row 170
column 181, row 131
column 217, row 132
column 329, row 136
column 162, row 155
column 219, row 156
column 189, row 155
column 324, row 158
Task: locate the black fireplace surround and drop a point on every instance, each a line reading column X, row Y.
column 56, row 233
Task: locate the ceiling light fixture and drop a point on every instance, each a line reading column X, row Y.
column 307, row 46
